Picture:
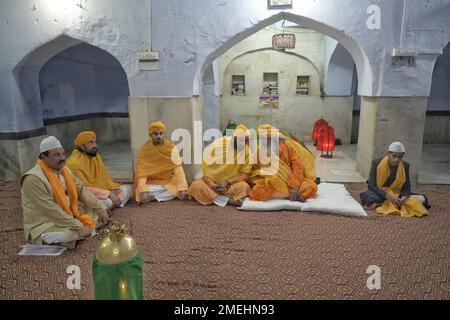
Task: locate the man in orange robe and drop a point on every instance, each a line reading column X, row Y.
column 290, row 174
column 87, row 164
column 159, row 174
column 226, row 170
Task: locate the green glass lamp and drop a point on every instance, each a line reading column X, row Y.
column 117, row 267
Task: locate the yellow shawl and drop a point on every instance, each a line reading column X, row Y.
column 279, row 180
column 307, row 158
column 60, row 196
column 91, row 170
column 220, row 172
column 412, row 207
column 153, row 160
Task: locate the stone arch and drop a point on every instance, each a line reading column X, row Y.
column 339, row 72
column 355, row 50
column 282, row 52
column 25, row 80
column 440, row 93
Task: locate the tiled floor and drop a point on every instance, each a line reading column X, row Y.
column 341, row 168
column 117, row 157
column 435, row 164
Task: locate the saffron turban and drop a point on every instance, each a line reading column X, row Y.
column 154, row 126
column 85, row 137
column 241, row 131
column 266, row 130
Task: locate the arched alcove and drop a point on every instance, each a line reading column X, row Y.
column 64, row 84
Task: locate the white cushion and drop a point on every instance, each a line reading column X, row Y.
column 331, row 198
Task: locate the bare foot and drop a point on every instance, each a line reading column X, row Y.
column 146, row 197
column 71, row 245
column 235, row 203
column 372, row 206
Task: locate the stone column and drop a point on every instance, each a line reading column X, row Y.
column 384, row 120
column 19, row 153
column 175, row 112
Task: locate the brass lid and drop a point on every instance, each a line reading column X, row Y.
column 117, row 247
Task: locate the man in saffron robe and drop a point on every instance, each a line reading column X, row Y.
column 390, row 187
column 51, row 198
column 226, row 170
column 159, row 174
column 87, row 164
column 290, row 173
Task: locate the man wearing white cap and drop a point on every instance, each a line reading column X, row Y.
column 51, row 195
column 390, row 187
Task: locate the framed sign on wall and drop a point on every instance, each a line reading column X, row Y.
column 279, row 4
column 271, row 102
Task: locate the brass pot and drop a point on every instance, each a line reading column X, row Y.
column 117, row 247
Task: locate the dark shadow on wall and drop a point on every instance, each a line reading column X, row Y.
column 82, row 79
column 84, row 88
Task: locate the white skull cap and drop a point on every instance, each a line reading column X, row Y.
column 397, row 147
column 49, row 144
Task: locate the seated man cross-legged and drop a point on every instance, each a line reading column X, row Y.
column 390, row 187
column 87, row 164
column 57, row 207
column 159, row 173
column 291, row 173
column 226, row 171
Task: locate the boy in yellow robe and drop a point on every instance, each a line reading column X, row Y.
column 87, row 164
column 390, row 187
column 159, row 174
column 294, row 176
column 57, row 207
column 225, row 182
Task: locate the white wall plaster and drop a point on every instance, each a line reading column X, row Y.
column 191, row 34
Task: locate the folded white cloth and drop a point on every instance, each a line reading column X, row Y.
column 127, row 189
column 160, row 193
column 331, row 198
column 56, row 237
column 221, row 201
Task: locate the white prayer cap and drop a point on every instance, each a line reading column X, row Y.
column 397, row 147
column 49, row 144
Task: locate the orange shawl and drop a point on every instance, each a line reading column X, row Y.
column 153, row 160
column 91, row 170
column 60, row 196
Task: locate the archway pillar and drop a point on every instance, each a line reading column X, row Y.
column 19, row 152
column 384, row 120
column 176, row 113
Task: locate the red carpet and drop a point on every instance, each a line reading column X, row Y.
column 194, row 252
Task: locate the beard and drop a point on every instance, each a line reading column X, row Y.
column 92, row 153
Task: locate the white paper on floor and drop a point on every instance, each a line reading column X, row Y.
column 35, row 250
column 331, row 198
